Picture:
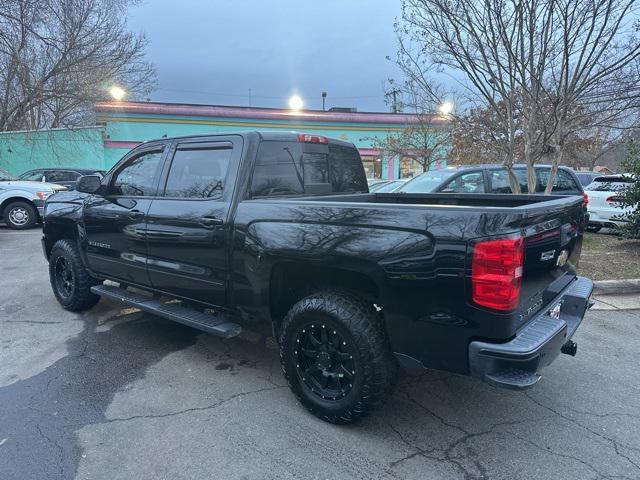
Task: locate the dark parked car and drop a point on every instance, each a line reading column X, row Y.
column 279, row 232
column 490, row 179
column 587, row 177
column 61, row 176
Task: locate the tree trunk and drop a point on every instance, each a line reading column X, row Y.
column 557, row 159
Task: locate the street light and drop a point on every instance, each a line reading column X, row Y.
column 446, row 108
column 117, row 93
column 296, row 103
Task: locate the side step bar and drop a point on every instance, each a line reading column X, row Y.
column 217, row 325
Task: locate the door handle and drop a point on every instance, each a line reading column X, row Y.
column 211, row 221
column 135, row 214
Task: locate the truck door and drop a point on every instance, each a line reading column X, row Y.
column 115, row 219
column 188, row 227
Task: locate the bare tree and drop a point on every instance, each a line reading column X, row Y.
column 546, row 68
column 593, row 77
column 426, row 140
column 57, row 57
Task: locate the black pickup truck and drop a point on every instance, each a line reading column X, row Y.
column 278, row 231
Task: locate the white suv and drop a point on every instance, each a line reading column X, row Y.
column 604, row 201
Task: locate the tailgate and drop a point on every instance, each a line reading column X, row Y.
column 553, row 241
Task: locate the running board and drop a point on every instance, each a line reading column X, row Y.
column 215, row 324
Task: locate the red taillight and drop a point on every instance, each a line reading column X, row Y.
column 614, row 200
column 305, row 137
column 585, row 199
column 496, row 273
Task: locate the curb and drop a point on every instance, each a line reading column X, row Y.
column 616, row 287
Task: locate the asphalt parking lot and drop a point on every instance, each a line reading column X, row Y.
column 117, row 394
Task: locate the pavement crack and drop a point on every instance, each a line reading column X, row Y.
column 616, row 444
column 564, row 455
column 418, row 450
column 56, row 445
column 190, row 410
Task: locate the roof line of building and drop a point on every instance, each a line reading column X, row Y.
column 225, row 111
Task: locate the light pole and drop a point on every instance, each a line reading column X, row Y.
column 117, row 93
column 296, row 103
column 446, row 108
column 324, row 96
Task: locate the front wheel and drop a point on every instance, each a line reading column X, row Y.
column 20, row 215
column 335, row 356
column 70, row 281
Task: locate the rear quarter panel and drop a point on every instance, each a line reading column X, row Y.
column 415, row 254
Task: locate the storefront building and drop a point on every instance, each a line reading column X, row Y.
column 121, row 126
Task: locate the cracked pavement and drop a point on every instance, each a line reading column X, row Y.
column 118, row 394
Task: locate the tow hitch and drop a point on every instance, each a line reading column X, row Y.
column 570, row 348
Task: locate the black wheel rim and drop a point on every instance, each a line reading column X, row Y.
column 325, row 361
column 64, row 277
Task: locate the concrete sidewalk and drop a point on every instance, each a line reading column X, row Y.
column 629, row 301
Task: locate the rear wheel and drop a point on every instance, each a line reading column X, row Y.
column 594, row 228
column 20, row 215
column 70, row 281
column 335, row 356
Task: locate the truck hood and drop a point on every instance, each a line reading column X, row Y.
column 31, row 186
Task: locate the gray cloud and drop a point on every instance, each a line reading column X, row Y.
column 213, row 52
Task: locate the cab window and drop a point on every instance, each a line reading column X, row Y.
column 500, row 180
column 138, row 176
column 198, row 170
column 62, row 176
column 562, row 183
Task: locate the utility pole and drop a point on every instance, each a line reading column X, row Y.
column 324, row 96
column 394, row 104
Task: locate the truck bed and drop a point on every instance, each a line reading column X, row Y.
column 487, row 200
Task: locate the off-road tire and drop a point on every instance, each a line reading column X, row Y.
column 23, row 209
column 357, row 321
column 79, row 296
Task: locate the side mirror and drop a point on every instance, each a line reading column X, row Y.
column 89, row 184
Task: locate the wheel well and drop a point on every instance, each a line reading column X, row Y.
column 10, row 200
column 291, row 282
column 55, row 231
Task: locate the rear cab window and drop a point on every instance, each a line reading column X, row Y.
column 300, row 168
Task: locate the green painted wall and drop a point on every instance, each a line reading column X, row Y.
column 102, row 146
column 80, row 148
column 131, row 128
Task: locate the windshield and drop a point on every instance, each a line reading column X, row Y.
column 427, row 182
column 5, row 176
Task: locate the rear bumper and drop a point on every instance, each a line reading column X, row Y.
column 604, row 217
column 517, row 364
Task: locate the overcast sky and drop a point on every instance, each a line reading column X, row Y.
column 215, row 51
